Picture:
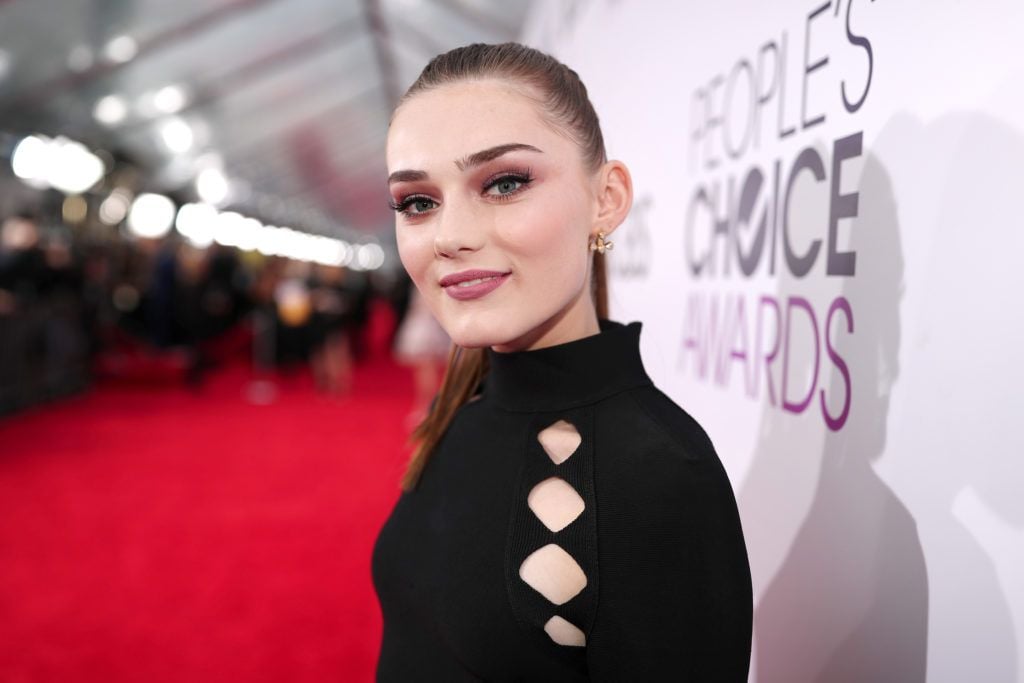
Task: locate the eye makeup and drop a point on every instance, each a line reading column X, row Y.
column 523, row 176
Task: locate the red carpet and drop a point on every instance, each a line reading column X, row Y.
column 175, row 535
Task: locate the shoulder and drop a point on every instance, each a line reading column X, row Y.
column 649, row 450
column 646, row 419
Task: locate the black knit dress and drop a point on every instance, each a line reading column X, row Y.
column 660, row 588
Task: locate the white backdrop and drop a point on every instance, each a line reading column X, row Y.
column 826, row 250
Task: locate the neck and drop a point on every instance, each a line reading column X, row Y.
column 576, row 321
column 572, row 373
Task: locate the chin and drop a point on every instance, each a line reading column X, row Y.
column 480, row 332
column 476, row 339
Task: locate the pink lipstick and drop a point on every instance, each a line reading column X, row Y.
column 472, row 284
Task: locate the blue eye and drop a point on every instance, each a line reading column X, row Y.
column 420, row 205
column 506, row 184
column 413, row 205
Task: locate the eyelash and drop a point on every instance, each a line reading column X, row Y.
column 522, row 176
column 402, row 206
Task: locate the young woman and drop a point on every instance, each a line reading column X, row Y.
column 561, row 519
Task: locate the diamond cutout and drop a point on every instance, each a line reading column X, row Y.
column 553, row 573
column 564, row 632
column 555, row 503
column 560, row 440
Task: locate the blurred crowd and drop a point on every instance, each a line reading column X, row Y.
column 72, row 310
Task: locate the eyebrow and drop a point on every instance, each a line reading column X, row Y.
column 474, row 159
column 486, row 155
column 406, row 177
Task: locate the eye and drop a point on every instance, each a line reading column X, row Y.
column 507, row 183
column 419, row 205
column 413, row 205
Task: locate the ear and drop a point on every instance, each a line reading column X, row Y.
column 614, row 196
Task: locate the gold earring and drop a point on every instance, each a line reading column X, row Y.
column 600, row 245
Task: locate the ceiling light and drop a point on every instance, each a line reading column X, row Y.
column 110, row 110
column 151, row 215
column 228, row 228
column 29, row 161
column 248, row 234
column 177, row 135
column 268, row 240
column 121, row 49
column 61, row 163
column 196, row 223
column 170, row 99
column 72, row 168
column 212, row 186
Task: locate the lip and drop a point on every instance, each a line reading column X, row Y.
column 451, row 286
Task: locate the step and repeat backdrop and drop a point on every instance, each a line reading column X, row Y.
column 826, row 249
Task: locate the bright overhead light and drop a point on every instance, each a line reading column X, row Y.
column 227, row 231
column 30, row 160
column 248, row 234
column 212, row 186
column 170, row 99
column 121, row 49
column 196, row 223
column 61, row 163
column 151, row 215
column 73, row 168
column 268, row 240
column 110, row 110
column 176, row 135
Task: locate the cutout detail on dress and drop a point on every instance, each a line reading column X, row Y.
column 553, row 573
column 564, row 632
column 555, row 503
column 560, row 440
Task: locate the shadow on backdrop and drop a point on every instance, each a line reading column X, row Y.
column 838, row 563
column 963, row 379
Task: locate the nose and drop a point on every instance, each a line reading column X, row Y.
column 457, row 231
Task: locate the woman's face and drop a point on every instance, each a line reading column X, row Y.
column 482, row 182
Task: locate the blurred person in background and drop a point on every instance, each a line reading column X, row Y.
column 332, row 322
column 43, row 344
column 294, row 308
column 21, row 262
column 65, row 340
column 21, row 268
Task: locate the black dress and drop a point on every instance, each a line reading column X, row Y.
column 658, row 543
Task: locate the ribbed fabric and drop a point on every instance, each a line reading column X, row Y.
column 576, row 373
column 527, row 533
column 667, row 594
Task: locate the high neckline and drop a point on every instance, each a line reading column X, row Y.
column 570, row 374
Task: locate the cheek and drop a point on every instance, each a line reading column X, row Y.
column 415, row 251
column 550, row 239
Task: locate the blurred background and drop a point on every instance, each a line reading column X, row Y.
column 210, row 358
